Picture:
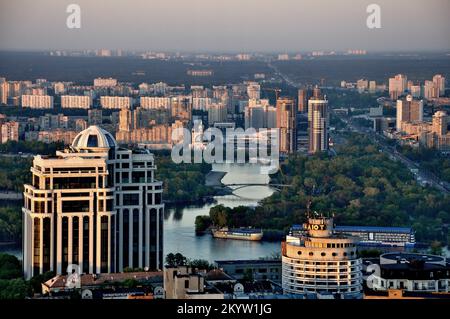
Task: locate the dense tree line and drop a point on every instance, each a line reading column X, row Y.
column 12, row 285
column 33, row 147
column 15, row 169
column 14, row 172
column 10, row 224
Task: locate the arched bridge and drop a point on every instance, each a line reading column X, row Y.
column 239, row 186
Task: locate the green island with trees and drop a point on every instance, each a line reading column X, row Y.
column 184, row 182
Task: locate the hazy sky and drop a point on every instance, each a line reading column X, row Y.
column 226, row 25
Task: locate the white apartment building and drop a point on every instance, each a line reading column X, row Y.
column 76, row 102
column 105, row 82
column 37, row 101
column 116, row 102
column 155, row 102
column 94, row 205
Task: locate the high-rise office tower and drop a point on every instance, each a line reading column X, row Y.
column 397, row 86
column 259, row 116
column 105, row 82
column 439, row 125
column 316, row 92
column 94, row 205
column 4, row 92
column 430, row 90
column 409, row 111
column 318, row 120
column 303, row 97
column 439, row 81
column 286, row 123
column 126, row 122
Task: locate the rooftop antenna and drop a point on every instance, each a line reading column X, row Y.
column 308, row 208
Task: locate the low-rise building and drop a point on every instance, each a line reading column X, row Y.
column 258, row 269
column 183, row 282
column 106, row 286
column 411, row 273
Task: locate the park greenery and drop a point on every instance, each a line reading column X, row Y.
column 10, row 224
column 12, row 285
column 360, row 186
column 14, row 172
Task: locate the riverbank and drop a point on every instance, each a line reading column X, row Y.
column 191, row 202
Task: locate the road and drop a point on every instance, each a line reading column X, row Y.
column 422, row 176
column 284, row 77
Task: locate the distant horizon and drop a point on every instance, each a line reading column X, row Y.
column 226, row 26
column 235, row 52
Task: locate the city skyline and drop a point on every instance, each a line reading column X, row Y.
column 230, row 26
column 246, row 151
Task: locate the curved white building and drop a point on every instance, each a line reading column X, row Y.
column 321, row 261
column 94, row 205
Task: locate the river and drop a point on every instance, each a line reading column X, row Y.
column 179, row 229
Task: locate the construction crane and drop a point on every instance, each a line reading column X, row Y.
column 277, row 92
